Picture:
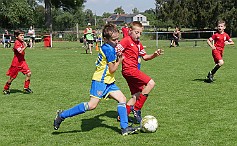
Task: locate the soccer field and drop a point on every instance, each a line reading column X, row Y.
column 189, row 111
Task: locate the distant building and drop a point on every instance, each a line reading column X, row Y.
column 119, row 19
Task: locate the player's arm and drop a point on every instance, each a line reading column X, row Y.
column 113, row 66
column 209, row 42
column 154, row 55
column 229, row 42
column 21, row 50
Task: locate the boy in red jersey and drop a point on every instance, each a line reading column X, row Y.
column 139, row 83
column 220, row 40
column 18, row 64
column 125, row 30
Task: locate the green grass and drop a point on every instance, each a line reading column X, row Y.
column 189, row 111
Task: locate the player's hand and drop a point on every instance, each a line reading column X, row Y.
column 227, row 43
column 213, row 48
column 25, row 44
column 159, row 52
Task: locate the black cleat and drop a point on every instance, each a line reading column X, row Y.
column 129, row 119
column 130, row 130
column 58, row 120
column 27, row 90
column 137, row 115
column 6, row 92
column 209, row 77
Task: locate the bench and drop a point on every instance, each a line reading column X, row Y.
column 37, row 38
column 193, row 40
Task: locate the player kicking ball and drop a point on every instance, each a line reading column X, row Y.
column 103, row 83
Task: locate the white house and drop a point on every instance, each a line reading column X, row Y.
column 127, row 18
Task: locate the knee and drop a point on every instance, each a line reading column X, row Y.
column 92, row 106
column 151, row 83
column 221, row 62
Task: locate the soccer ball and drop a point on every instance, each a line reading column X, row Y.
column 149, row 124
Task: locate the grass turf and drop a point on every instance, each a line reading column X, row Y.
column 189, row 111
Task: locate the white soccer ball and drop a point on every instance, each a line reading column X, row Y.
column 149, row 124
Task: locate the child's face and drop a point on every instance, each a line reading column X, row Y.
column 20, row 37
column 113, row 41
column 221, row 27
column 135, row 33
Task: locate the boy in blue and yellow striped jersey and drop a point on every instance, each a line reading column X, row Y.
column 103, row 83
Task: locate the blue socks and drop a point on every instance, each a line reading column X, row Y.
column 78, row 109
column 122, row 112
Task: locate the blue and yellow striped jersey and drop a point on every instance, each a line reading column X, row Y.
column 106, row 55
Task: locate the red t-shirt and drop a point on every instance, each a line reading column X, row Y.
column 131, row 50
column 219, row 40
column 18, row 57
column 125, row 31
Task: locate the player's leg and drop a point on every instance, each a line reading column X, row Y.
column 6, row 89
column 26, row 71
column 122, row 112
column 12, row 73
column 76, row 110
column 217, row 56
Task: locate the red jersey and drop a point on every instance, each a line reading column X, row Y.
column 219, row 40
column 18, row 57
column 131, row 50
column 125, row 31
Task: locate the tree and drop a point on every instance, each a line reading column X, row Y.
column 119, row 10
column 16, row 14
column 135, row 11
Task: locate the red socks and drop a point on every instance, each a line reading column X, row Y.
column 140, row 101
column 27, row 84
column 7, row 86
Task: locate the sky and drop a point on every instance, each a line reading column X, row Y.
column 101, row 6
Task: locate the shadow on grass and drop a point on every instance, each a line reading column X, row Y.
column 202, row 80
column 90, row 124
column 16, row 91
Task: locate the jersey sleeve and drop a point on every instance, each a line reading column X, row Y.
column 17, row 46
column 109, row 54
column 142, row 51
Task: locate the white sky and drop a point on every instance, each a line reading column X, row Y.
column 101, row 6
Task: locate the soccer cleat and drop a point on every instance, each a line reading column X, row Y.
column 6, row 92
column 27, row 90
column 130, row 130
column 137, row 115
column 58, row 120
column 209, row 77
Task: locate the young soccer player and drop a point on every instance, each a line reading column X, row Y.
column 103, row 83
column 18, row 64
column 139, row 83
column 220, row 40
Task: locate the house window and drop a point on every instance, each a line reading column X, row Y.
column 141, row 18
column 137, row 18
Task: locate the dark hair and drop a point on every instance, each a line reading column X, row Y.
column 108, row 30
column 18, row 32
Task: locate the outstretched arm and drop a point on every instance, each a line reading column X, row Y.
column 154, row 55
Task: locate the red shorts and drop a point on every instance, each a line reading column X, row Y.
column 13, row 70
column 136, row 81
column 217, row 55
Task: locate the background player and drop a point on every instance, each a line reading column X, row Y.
column 18, row 64
column 220, row 40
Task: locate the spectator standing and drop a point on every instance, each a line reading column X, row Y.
column 7, row 39
column 31, row 32
column 89, row 37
